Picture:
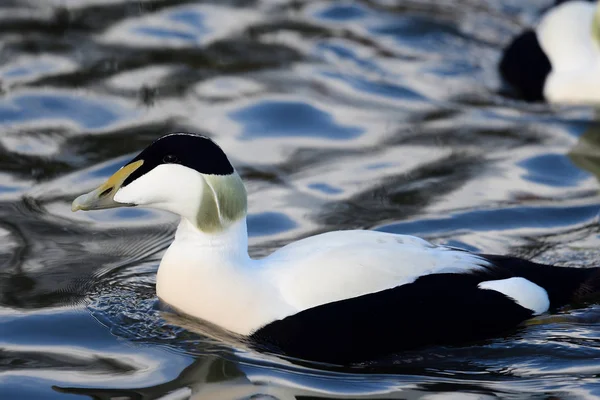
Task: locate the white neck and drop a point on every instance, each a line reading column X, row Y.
column 211, row 276
column 231, row 244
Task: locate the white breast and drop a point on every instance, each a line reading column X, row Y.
column 211, row 277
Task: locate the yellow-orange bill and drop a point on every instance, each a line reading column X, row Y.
column 103, row 196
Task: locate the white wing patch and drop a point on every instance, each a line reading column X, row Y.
column 525, row 293
column 339, row 265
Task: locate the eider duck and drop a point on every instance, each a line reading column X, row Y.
column 338, row 297
column 559, row 61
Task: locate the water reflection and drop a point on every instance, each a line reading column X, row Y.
column 586, row 153
column 288, row 118
column 180, row 26
column 218, row 377
column 84, row 111
column 338, row 115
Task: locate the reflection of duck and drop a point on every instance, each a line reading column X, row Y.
column 206, row 378
column 212, row 377
column 586, row 153
column 559, row 61
column 336, row 297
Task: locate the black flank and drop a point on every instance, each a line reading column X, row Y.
column 559, row 2
column 191, row 150
column 525, row 66
column 434, row 310
column 438, row 309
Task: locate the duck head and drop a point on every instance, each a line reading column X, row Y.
column 187, row 174
column 568, row 34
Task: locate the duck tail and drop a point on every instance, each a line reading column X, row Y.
column 564, row 285
column 589, row 290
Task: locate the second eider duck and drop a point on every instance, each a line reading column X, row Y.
column 338, row 297
column 559, row 60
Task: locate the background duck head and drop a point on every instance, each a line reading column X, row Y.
column 559, row 60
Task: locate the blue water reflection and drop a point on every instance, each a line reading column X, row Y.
column 338, row 115
column 346, row 53
column 325, row 188
column 269, row 223
column 185, row 25
column 377, row 88
column 553, row 170
column 500, row 219
column 165, row 33
column 193, row 18
column 290, row 118
column 62, row 107
column 418, row 32
column 342, row 12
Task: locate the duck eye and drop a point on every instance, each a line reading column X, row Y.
column 170, row 159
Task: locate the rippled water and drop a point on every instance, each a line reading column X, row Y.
column 373, row 114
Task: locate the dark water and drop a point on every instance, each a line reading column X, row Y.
column 372, row 114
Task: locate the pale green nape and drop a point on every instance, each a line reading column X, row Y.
column 224, row 200
column 596, row 25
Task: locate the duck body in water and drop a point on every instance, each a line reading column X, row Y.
column 559, row 60
column 338, row 297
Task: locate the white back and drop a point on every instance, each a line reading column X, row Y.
column 344, row 264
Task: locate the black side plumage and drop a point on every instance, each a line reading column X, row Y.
column 525, row 66
column 559, row 2
column 437, row 309
column 588, row 291
column 434, row 310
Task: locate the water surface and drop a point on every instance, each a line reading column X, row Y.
column 375, row 114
